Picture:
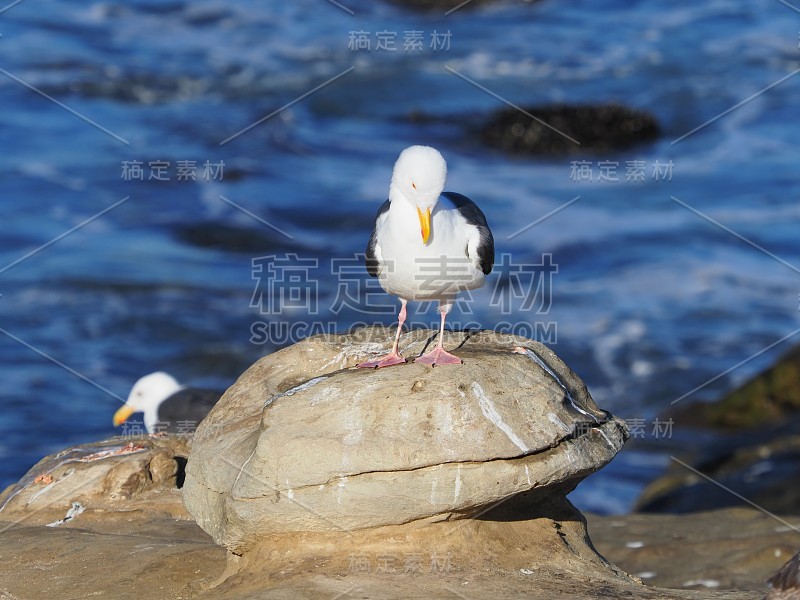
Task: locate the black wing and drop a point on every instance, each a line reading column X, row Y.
column 188, row 404
column 474, row 216
column 373, row 268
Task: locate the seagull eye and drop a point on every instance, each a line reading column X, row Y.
column 413, row 185
column 139, row 393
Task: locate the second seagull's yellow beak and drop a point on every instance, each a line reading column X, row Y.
column 425, row 223
column 122, row 415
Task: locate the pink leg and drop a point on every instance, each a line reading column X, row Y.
column 393, row 358
column 439, row 356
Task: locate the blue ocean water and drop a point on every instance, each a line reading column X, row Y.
column 664, row 281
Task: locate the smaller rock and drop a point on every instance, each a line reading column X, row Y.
column 100, row 476
column 563, row 129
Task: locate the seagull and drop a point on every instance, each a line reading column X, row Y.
column 165, row 402
column 427, row 244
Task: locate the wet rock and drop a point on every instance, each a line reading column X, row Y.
column 770, row 397
column 749, row 441
column 760, row 465
column 558, row 130
column 306, row 442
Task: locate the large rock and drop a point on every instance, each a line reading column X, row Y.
column 304, row 441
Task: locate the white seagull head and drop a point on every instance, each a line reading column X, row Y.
column 419, row 176
column 146, row 396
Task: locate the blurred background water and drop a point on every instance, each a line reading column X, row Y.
column 650, row 299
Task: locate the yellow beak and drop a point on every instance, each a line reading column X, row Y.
column 425, row 224
column 122, row 415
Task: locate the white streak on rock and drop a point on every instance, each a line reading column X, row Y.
column 558, row 422
column 528, row 474
column 535, row 358
column 352, row 422
column 457, row 491
column 241, row 470
column 340, row 360
column 490, row 412
column 294, row 390
column 611, row 444
column 76, row 509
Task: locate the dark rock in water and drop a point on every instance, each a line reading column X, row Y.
column 233, row 238
column 785, row 584
column 769, row 397
column 592, row 129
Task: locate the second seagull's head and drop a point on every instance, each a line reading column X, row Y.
column 419, row 175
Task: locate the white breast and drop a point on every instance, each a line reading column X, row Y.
column 436, row 271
